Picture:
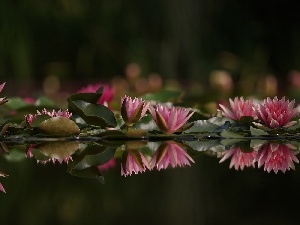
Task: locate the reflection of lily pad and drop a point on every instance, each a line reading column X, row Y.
column 91, row 172
column 58, row 150
column 93, row 155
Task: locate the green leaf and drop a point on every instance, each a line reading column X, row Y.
column 16, row 103
column 228, row 134
column 94, row 114
column 44, row 102
column 197, row 116
column 87, row 97
column 163, row 96
column 257, row 132
column 39, row 119
column 202, row 126
column 58, row 126
column 146, row 123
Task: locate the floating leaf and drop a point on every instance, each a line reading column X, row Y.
column 39, row 119
column 16, row 103
column 94, row 114
column 228, row 134
column 58, row 126
column 87, row 97
column 146, row 123
column 257, row 132
column 202, row 126
column 44, row 102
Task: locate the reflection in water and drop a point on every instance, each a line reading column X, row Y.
column 110, row 164
column 88, row 160
column 133, row 161
column 170, row 153
column 272, row 155
column 275, row 156
column 240, row 159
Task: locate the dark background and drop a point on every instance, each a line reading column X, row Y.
column 186, row 40
column 205, row 193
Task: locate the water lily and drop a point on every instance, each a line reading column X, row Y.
column 170, row 119
column 239, row 108
column 277, row 157
column 276, row 113
column 171, row 154
column 107, row 95
column 133, row 161
column 132, row 110
column 240, row 159
column 31, row 117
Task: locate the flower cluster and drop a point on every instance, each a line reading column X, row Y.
column 272, row 156
column 168, row 119
column 31, row 117
column 273, row 113
column 169, row 153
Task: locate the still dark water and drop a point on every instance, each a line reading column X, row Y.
column 206, row 192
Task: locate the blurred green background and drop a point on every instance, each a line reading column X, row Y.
column 182, row 40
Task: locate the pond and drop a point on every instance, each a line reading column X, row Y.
column 148, row 161
column 213, row 181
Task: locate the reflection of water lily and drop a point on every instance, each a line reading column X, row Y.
column 110, row 164
column 107, row 95
column 2, row 100
column 170, row 120
column 275, row 156
column 240, row 159
column 170, row 153
column 64, row 113
column 132, row 110
column 276, row 113
column 239, row 108
column 133, row 161
column 1, row 186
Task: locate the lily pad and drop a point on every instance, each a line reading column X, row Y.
column 59, row 126
column 94, row 114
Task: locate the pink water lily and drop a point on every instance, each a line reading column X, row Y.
column 171, row 154
column 276, row 113
column 31, row 117
column 107, row 95
column 239, row 108
column 240, row 159
column 277, row 157
column 170, row 120
column 133, row 161
column 132, row 110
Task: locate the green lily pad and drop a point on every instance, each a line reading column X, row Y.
column 94, row 114
column 58, row 126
